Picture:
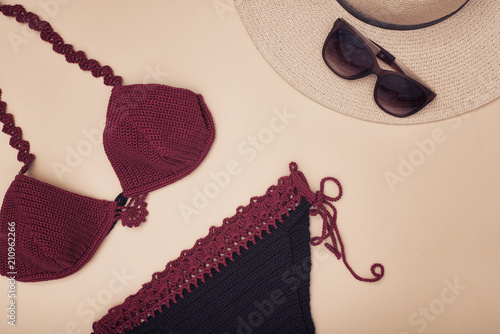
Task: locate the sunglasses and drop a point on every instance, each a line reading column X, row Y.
column 351, row 56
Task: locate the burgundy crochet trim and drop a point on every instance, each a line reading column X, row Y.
column 222, row 242
column 16, row 140
column 49, row 35
column 216, row 248
column 134, row 212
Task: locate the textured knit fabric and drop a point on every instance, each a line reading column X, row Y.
column 265, row 289
column 47, row 232
column 56, row 232
column 155, row 135
column 249, row 275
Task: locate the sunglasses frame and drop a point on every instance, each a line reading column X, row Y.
column 376, row 51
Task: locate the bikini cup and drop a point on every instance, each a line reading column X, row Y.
column 154, row 135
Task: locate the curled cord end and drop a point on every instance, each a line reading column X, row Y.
column 377, row 275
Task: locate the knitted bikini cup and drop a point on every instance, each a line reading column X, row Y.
column 249, row 275
column 154, row 135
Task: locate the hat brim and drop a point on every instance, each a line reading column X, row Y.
column 458, row 58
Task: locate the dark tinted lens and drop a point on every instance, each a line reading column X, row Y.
column 346, row 55
column 399, row 96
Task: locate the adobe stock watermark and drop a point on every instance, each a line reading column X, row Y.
column 98, row 303
column 292, row 279
column 223, row 7
column 423, row 148
column 48, row 9
column 154, row 75
column 11, row 274
column 247, row 151
column 92, row 138
column 421, row 319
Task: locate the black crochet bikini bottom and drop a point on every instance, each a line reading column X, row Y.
column 249, row 275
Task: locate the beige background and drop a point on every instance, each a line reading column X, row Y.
column 435, row 226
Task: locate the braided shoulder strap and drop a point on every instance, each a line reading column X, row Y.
column 16, row 140
column 49, row 35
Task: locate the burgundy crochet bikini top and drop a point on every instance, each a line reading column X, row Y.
column 154, row 135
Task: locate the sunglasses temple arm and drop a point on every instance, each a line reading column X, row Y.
column 379, row 51
column 387, row 57
column 390, row 60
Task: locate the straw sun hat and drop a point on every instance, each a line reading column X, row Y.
column 452, row 45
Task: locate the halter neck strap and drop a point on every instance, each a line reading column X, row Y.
column 49, row 35
column 16, row 139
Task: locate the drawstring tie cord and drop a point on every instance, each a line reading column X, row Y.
column 323, row 206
